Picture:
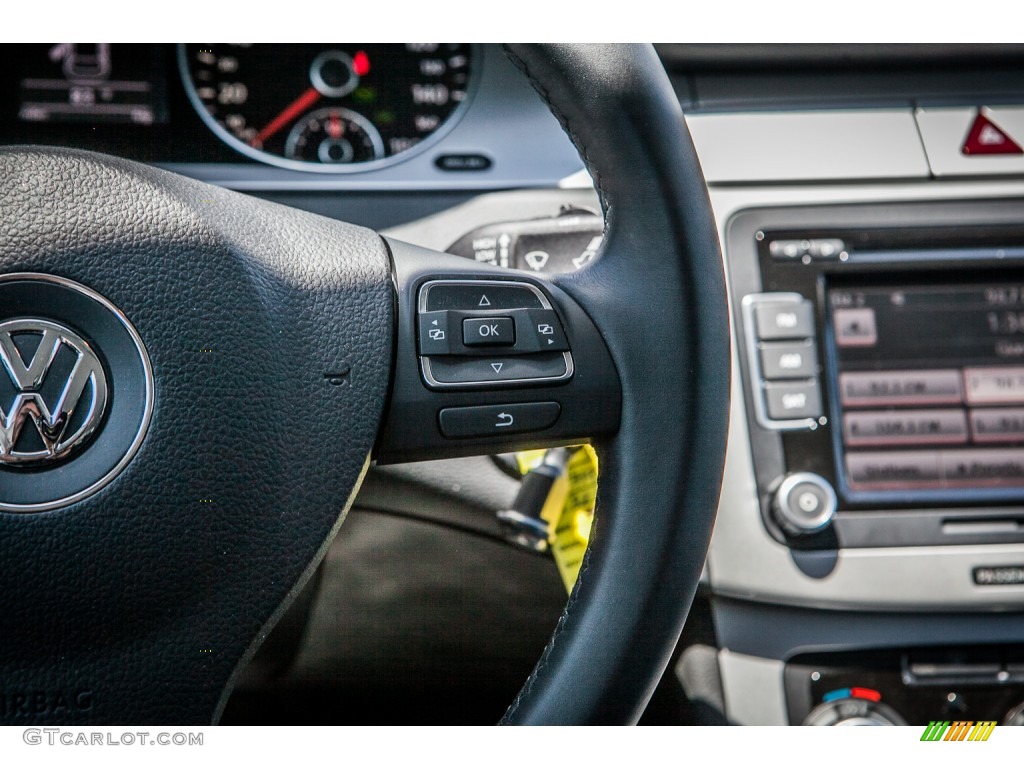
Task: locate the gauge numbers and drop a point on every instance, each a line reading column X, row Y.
column 327, row 108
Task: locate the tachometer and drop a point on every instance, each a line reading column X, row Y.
column 327, row 108
column 334, row 135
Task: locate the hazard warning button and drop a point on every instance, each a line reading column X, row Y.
column 973, row 141
column 987, row 138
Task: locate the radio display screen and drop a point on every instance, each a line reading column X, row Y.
column 928, row 385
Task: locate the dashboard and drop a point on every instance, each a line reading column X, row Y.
column 405, row 122
column 867, row 565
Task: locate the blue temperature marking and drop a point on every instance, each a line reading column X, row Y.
column 839, row 693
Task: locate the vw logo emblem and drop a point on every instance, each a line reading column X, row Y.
column 76, row 392
column 60, row 392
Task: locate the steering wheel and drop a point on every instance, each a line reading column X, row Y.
column 200, row 380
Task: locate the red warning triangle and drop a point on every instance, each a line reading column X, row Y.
column 987, row 138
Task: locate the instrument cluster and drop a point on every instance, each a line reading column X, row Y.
column 322, row 108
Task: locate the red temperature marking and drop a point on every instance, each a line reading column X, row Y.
column 865, row 693
column 361, row 63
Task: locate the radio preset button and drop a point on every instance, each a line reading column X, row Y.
column 994, row 386
column 793, row 400
column 956, row 468
column 911, row 427
column 784, row 320
column 788, row 360
column 984, row 466
column 928, row 387
column 997, row 425
column 893, row 468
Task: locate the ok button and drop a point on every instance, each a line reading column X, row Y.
column 488, row 331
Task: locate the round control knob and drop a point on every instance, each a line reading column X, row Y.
column 853, row 712
column 804, row 504
column 1015, row 716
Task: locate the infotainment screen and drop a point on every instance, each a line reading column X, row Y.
column 928, row 388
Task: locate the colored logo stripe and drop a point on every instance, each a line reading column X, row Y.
column 982, row 730
column 960, row 730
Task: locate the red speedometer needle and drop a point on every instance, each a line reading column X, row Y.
column 310, row 97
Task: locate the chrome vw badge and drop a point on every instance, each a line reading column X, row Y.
column 76, row 392
column 60, row 392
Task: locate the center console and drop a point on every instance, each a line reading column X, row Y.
column 880, row 360
column 883, row 369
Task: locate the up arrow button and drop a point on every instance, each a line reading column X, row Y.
column 474, row 295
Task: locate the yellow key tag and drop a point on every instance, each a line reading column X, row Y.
column 569, row 509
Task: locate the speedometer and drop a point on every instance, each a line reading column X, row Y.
column 329, row 108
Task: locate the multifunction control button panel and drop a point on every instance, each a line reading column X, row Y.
column 484, row 333
column 781, row 351
column 491, row 361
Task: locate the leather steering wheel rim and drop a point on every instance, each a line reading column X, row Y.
column 271, row 336
column 659, row 274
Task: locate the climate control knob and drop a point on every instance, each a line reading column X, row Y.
column 804, row 504
column 853, row 712
column 1015, row 716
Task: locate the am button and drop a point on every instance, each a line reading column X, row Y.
column 488, row 331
